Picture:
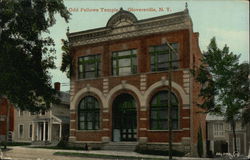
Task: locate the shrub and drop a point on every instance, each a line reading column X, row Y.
column 62, row 144
column 144, row 150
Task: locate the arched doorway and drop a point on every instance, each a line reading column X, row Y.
column 124, row 118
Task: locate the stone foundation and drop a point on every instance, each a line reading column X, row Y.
column 91, row 145
column 164, row 147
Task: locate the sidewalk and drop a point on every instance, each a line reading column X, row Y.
column 49, row 153
column 128, row 154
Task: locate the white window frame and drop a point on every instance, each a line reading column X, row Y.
column 218, row 129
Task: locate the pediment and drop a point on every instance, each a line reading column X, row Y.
column 122, row 18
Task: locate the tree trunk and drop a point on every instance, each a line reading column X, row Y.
column 233, row 124
column 7, row 123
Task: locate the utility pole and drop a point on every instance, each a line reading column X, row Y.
column 170, row 50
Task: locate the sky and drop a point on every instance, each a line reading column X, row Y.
column 227, row 20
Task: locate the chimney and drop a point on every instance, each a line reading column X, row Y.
column 57, row 86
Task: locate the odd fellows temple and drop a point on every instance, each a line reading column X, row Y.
column 119, row 84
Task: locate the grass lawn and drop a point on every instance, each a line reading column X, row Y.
column 61, row 148
column 89, row 155
column 16, row 144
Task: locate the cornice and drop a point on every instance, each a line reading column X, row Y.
column 161, row 24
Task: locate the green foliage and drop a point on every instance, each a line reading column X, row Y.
column 200, row 143
column 62, row 144
column 66, row 58
column 224, row 82
column 225, row 85
column 18, row 143
column 144, row 150
column 25, row 55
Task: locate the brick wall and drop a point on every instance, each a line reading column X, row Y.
column 187, row 61
column 3, row 113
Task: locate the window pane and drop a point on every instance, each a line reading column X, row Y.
column 90, row 125
column 162, row 58
column 89, row 113
column 163, row 124
column 88, row 58
column 124, row 71
column 114, row 63
column 154, row 125
column 80, row 68
column 162, row 67
column 90, row 116
column 161, row 48
column 161, row 54
column 154, row 114
column 81, row 117
column 163, row 97
column 81, row 106
column 175, row 124
column 134, row 61
column 124, row 53
column 124, row 62
column 152, row 59
column 82, row 125
column 89, row 74
column 89, row 66
column 163, row 114
column 174, row 113
column 159, row 111
column 96, row 125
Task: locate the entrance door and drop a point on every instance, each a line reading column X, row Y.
column 124, row 118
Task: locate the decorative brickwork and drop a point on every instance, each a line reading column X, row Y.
column 128, row 34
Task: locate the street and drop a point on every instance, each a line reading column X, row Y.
column 23, row 153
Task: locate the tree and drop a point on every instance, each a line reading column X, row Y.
column 66, row 58
column 26, row 53
column 225, row 84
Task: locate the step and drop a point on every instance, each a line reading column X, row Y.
column 120, row 146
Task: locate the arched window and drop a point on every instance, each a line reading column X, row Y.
column 159, row 111
column 88, row 114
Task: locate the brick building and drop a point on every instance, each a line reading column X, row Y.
column 119, row 84
column 3, row 119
